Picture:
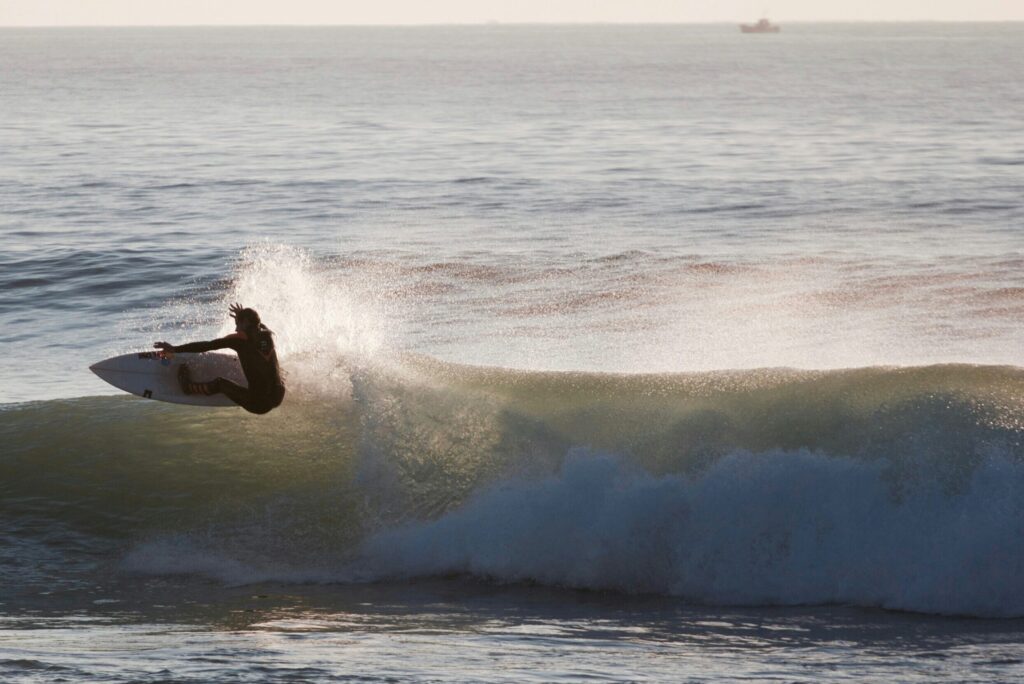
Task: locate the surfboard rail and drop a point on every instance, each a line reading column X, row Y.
column 154, row 375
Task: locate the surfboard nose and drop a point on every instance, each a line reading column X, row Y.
column 99, row 368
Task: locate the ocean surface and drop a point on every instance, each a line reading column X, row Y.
column 614, row 353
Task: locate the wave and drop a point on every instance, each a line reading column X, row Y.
column 770, row 528
column 892, row 487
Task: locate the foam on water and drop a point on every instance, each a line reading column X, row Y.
column 757, row 529
column 775, row 528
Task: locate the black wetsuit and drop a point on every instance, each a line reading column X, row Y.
column 259, row 363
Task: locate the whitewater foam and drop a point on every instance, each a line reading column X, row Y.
column 775, row 528
column 761, row 529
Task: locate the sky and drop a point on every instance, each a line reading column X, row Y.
column 220, row 12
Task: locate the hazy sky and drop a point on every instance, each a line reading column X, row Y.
column 161, row 12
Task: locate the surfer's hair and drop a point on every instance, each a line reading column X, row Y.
column 249, row 315
column 254, row 319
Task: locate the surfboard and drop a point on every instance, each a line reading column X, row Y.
column 154, row 375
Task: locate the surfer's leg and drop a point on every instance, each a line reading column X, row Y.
column 189, row 387
column 204, row 388
column 264, row 403
column 236, row 393
column 253, row 402
column 243, row 396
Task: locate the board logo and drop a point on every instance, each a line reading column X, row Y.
column 163, row 357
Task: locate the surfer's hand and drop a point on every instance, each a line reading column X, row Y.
column 235, row 310
column 164, row 345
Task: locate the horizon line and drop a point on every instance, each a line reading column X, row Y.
column 513, row 23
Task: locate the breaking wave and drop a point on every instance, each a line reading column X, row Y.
column 772, row 528
column 893, row 487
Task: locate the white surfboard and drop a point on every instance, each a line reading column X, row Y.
column 154, row 375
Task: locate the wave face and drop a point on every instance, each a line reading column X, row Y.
column 875, row 486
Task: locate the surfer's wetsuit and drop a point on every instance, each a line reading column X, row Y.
column 259, row 363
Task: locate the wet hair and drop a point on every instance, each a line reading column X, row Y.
column 249, row 315
column 254, row 318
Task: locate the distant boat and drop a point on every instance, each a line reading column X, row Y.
column 762, row 26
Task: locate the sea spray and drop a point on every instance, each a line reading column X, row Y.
column 322, row 321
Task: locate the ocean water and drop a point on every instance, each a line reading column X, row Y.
column 614, row 353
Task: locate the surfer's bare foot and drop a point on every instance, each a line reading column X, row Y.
column 185, row 379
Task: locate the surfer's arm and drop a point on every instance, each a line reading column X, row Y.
column 232, row 341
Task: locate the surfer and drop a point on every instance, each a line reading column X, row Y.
column 254, row 344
